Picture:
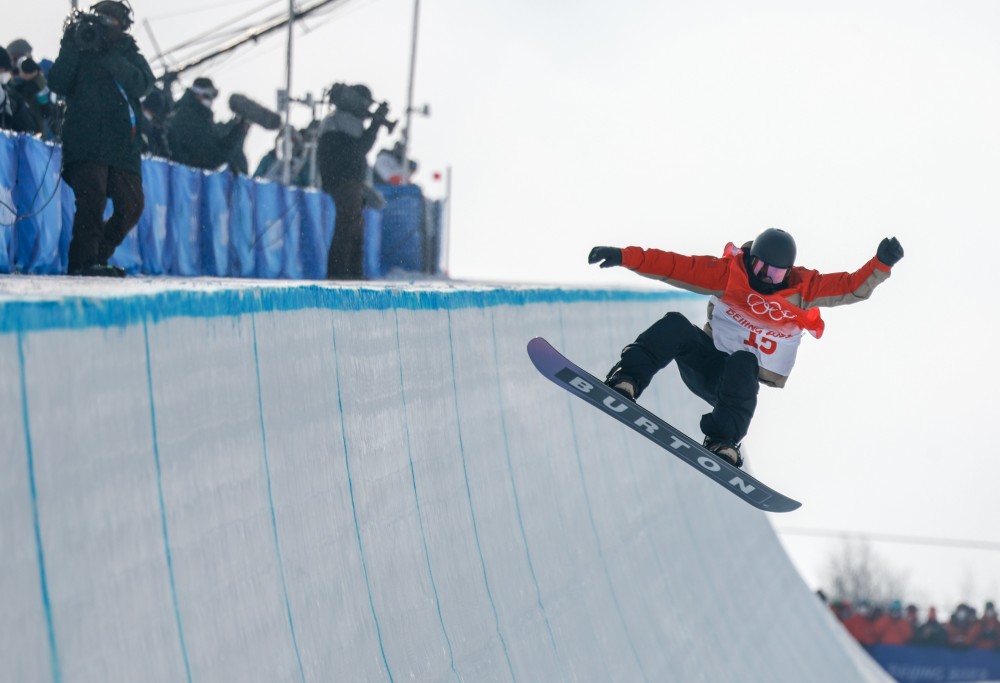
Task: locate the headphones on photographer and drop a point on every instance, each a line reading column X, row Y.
column 127, row 13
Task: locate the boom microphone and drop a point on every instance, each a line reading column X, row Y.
column 254, row 112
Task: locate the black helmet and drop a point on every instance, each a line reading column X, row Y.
column 774, row 247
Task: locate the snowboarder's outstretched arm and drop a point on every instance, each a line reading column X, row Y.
column 839, row 289
column 701, row 274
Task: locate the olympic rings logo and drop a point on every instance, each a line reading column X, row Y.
column 761, row 306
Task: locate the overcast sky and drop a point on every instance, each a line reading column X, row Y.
column 682, row 126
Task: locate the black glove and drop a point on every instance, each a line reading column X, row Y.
column 381, row 114
column 611, row 256
column 890, row 251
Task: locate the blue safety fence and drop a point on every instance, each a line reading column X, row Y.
column 8, row 179
column 403, row 233
column 913, row 664
column 200, row 222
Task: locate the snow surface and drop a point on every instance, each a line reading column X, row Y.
column 245, row 481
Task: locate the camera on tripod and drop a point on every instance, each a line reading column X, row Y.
column 89, row 30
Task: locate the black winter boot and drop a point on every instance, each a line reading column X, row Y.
column 623, row 384
column 726, row 449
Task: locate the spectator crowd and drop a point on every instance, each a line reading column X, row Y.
column 106, row 107
column 894, row 625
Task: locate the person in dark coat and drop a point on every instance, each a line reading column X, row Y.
column 102, row 147
column 931, row 633
column 31, row 86
column 192, row 135
column 15, row 114
column 985, row 633
column 344, row 144
column 153, row 125
column 30, row 83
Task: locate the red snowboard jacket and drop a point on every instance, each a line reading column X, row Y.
column 726, row 279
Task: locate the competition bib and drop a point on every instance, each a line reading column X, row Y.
column 768, row 326
column 760, row 328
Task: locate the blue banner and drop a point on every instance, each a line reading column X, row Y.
column 913, row 664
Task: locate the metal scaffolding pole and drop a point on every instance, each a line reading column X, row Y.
column 286, row 170
column 409, row 95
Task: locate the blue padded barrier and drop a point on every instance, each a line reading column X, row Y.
column 8, row 208
column 371, row 265
column 241, row 228
column 68, row 200
column 402, row 245
column 38, row 199
column 197, row 223
column 151, row 231
column 127, row 255
column 216, row 208
column 183, row 250
column 292, row 261
column 269, row 237
column 318, row 220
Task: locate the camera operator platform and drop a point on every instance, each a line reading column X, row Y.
column 102, row 76
column 344, row 144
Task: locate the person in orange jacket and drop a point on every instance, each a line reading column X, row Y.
column 761, row 304
column 892, row 628
column 858, row 624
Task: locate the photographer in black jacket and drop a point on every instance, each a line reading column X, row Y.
column 194, row 137
column 344, row 144
column 103, row 76
column 15, row 114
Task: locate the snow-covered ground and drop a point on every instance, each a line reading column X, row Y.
column 245, row 481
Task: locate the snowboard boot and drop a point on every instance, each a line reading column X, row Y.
column 623, row 384
column 98, row 270
column 726, row 449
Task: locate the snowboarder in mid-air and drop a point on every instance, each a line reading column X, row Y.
column 760, row 305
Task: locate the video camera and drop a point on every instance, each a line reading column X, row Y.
column 89, row 30
column 357, row 100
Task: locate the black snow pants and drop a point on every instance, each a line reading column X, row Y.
column 93, row 183
column 728, row 382
column 346, row 258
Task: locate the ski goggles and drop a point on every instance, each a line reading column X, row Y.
column 768, row 273
column 205, row 91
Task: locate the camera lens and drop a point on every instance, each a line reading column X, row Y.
column 89, row 35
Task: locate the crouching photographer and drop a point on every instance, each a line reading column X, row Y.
column 344, row 144
column 102, row 76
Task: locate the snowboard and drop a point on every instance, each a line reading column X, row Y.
column 582, row 384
